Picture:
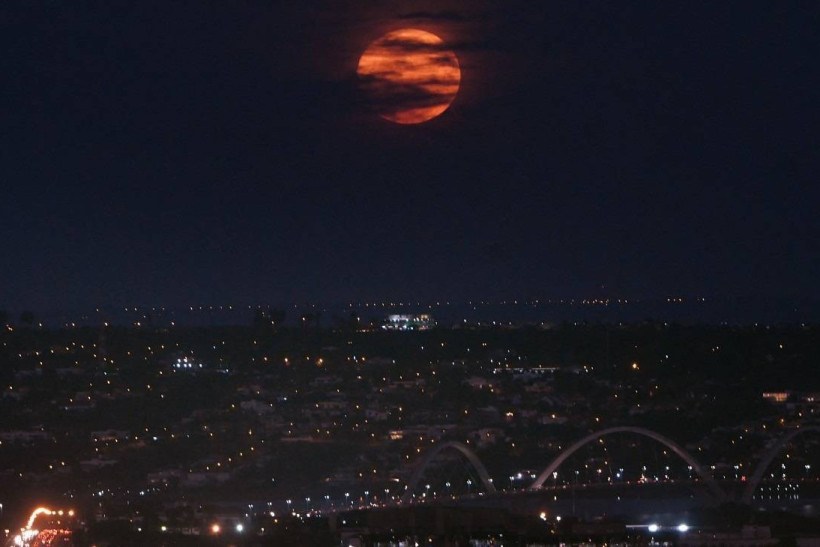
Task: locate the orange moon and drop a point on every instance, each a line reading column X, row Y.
column 409, row 76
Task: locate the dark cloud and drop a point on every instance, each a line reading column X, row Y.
column 450, row 16
column 385, row 96
column 412, row 46
column 444, row 59
column 386, row 79
column 405, row 45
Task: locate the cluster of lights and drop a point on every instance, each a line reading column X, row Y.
column 29, row 534
column 185, row 363
column 409, row 322
column 25, row 537
column 216, row 528
column 544, row 516
column 654, row 528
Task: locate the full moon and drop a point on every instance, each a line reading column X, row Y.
column 409, row 76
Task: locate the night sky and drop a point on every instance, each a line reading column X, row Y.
column 212, row 152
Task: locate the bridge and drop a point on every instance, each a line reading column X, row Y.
column 535, row 510
column 716, row 493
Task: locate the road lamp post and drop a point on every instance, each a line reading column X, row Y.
column 573, row 492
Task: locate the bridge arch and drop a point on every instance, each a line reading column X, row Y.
column 707, row 478
column 769, row 457
column 431, row 455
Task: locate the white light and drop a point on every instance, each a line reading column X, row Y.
column 239, row 528
column 653, row 528
column 683, row 527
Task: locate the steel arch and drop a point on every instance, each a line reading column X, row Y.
column 717, row 492
column 430, row 456
column 769, row 457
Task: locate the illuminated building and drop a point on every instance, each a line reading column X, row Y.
column 409, row 322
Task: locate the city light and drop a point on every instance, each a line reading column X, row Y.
column 434, row 452
column 36, row 513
